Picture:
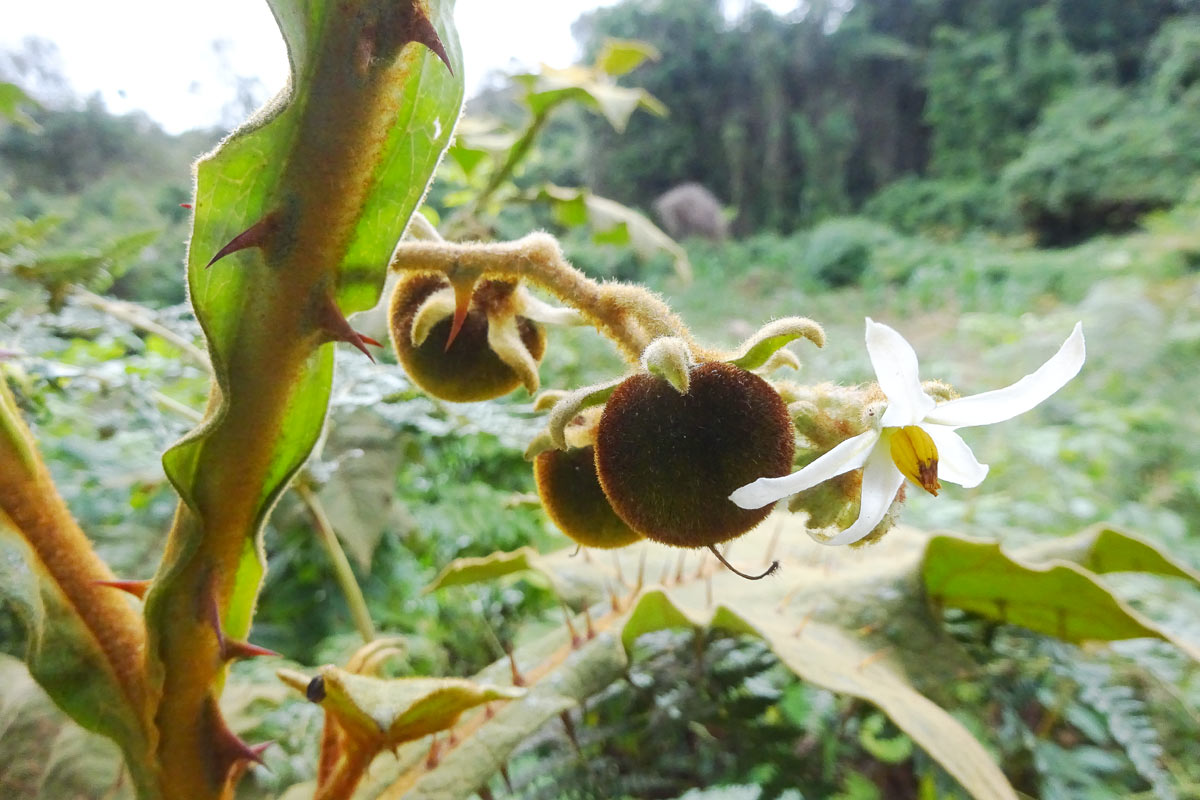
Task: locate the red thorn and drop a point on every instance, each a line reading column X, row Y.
column 257, row 235
column 488, row 711
column 186, row 205
column 136, row 588
column 434, row 756
column 370, row 341
column 421, row 30
column 575, row 640
column 233, row 648
column 333, row 322
column 517, row 678
column 587, row 615
column 228, row 746
column 259, row 749
column 569, row 725
column 462, row 304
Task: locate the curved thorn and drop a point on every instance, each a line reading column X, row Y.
column 769, row 571
column 257, row 235
column 423, row 32
column 234, row 648
column 331, row 320
column 462, row 304
column 136, row 588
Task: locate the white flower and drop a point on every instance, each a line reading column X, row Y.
column 914, row 437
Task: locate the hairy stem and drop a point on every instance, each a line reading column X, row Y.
column 629, row 315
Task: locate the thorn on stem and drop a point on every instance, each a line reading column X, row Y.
column 575, row 640
column 229, row 747
column 517, row 678
column 421, row 30
column 434, row 756
column 333, row 322
column 569, row 726
column 136, row 588
column 234, row 648
column 587, row 616
column 769, row 571
column 257, row 235
column 871, row 659
column 507, row 780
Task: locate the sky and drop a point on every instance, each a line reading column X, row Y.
column 180, row 80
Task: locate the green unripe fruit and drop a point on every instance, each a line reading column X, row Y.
column 469, row 370
column 571, row 495
column 669, row 461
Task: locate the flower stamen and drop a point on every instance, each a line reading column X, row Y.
column 916, row 456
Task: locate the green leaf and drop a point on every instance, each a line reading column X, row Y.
column 591, row 87
column 12, row 98
column 1102, row 549
column 617, row 224
column 63, row 655
column 890, row 751
column 466, row 571
column 620, row 56
column 759, row 348
column 1062, row 599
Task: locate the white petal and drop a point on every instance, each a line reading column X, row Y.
column 881, row 481
column 850, row 454
column 1006, row 403
column 895, row 366
column 956, row 462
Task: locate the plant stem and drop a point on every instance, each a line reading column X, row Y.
column 629, row 315
column 139, row 317
column 341, row 564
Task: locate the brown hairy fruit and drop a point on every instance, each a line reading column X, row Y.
column 668, row 462
column 468, row 371
column 571, row 495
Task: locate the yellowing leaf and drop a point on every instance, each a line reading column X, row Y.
column 619, row 56
column 465, row 571
column 397, row 710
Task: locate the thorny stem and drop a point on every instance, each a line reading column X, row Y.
column 341, row 564
column 629, row 315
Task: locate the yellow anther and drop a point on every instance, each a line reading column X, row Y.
column 916, row 456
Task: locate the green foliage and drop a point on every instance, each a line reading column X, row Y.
column 1100, row 159
column 986, row 89
column 943, row 208
column 683, row 690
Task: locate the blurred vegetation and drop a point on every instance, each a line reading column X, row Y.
column 968, row 137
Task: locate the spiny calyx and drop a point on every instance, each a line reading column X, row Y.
column 465, row 351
